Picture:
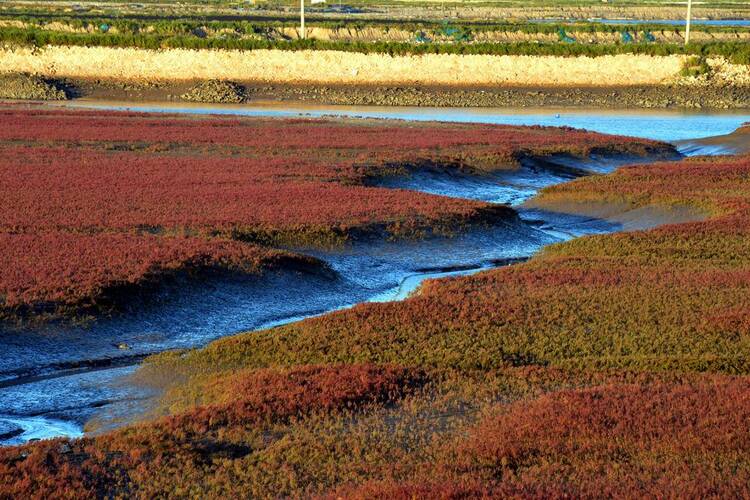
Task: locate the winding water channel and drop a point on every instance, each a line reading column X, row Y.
column 56, row 377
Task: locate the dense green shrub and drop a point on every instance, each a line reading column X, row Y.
column 695, row 66
column 737, row 52
column 184, row 25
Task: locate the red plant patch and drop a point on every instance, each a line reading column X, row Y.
column 676, row 440
column 60, row 188
column 273, row 395
column 619, row 441
column 67, row 269
column 145, row 457
column 77, row 178
column 432, row 139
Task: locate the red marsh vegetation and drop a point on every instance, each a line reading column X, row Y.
column 365, row 431
column 48, row 269
column 675, row 297
column 608, row 366
column 270, row 399
column 137, row 195
column 488, row 146
column 672, row 440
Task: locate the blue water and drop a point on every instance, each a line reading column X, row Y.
column 663, row 125
column 667, row 22
column 679, row 22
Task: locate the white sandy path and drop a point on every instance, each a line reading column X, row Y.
column 334, row 67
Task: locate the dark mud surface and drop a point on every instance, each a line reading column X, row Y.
column 672, row 96
column 645, row 97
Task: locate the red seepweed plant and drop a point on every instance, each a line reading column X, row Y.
column 141, row 195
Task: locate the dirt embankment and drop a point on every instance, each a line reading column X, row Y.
column 333, row 67
column 332, row 77
column 386, row 33
column 647, row 97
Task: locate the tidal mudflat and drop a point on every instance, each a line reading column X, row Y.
column 176, row 230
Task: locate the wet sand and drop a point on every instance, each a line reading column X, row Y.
column 738, row 142
column 627, row 217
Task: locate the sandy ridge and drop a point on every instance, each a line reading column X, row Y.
column 334, row 67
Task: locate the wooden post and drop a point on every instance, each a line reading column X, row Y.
column 302, row 33
column 688, row 21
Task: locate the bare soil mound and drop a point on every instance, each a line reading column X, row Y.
column 215, row 91
column 26, row 86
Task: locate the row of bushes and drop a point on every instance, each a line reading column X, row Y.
column 189, row 24
column 736, row 52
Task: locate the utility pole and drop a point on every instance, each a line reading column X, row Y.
column 302, row 33
column 689, row 19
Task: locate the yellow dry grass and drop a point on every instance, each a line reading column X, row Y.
column 334, row 67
